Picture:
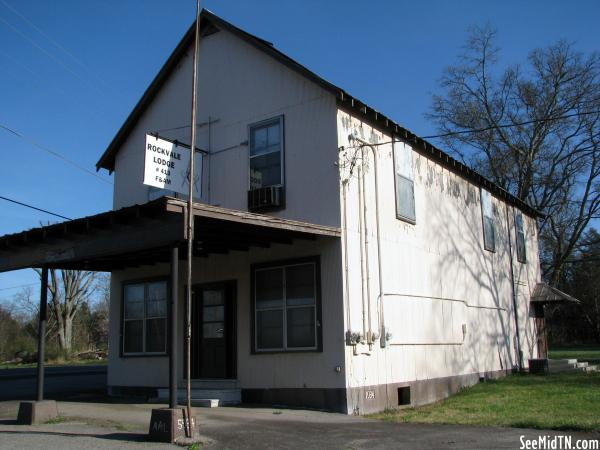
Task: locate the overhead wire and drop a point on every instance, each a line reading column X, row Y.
column 480, row 130
column 27, row 205
column 54, row 42
column 53, row 152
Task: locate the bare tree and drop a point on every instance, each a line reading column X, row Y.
column 68, row 290
column 533, row 130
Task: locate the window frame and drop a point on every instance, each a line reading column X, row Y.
column 483, row 216
column 399, row 216
column 262, row 124
column 522, row 258
column 145, row 282
column 318, row 347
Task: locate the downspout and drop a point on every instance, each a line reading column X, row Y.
column 345, row 243
column 382, row 337
column 514, row 292
column 362, row 237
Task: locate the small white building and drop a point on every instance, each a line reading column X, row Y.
column 342, row 262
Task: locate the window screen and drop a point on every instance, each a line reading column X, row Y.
column 405, row 190
column 489, row 227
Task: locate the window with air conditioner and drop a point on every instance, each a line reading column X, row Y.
column 266, row 177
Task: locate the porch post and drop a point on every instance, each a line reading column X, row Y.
column 173, row 328
column 42, row 333
column 40, row 410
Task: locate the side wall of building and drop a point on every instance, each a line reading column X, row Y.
column 447, row 303
column 238, row 85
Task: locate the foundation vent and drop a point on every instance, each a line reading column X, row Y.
column 404, row 396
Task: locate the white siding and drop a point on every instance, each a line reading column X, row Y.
column 239, row 85
column 437, row 276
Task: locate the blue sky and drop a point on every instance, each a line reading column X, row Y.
column 71, row 71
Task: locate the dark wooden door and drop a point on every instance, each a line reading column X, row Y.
column 213, row 331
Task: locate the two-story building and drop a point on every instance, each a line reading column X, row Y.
column 341, row 262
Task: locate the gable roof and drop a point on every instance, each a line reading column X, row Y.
column 211, row 23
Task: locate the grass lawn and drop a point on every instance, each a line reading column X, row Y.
column 560, row 402
column 74, row 362
column 590, row 354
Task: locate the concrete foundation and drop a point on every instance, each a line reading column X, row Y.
column 35, row 413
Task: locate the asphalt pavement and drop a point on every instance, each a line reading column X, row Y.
column 125, row 426
column 60, row 382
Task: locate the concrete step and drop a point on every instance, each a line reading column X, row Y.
column 569, row 365
column 205, row 397
column 561, row 362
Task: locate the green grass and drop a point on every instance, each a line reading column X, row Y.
column 57, row 419
column 74, row 362
column 590, row 354
column 559, row 402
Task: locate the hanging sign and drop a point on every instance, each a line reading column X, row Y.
column 167, row 166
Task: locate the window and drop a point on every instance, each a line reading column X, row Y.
column 489, row 228
column 145, row 318
column 405, row 186
column 521, row 252
column 285, row 307
column 266, row 153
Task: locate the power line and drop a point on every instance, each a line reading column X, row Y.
column 52, row 152
column 54, row 42
column 19, row 286
column 509, row 125
column 479, row 130
column 34, row 207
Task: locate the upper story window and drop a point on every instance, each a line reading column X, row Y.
column 286, row 314
column 489, row 226
column 145, row 318
column 266, row 153
column 404, row 179
column 521, row 249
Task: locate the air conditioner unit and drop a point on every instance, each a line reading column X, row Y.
column 264, row 198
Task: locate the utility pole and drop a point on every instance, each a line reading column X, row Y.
column 190, row 231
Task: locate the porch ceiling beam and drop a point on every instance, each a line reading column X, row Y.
column 109, row 245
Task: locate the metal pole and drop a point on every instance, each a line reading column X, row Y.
column 42, row 333
column 173, row 328
column 190, row 229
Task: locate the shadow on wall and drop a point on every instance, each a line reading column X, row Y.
column 490, row 341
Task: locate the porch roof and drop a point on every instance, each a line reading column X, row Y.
column 144, row 234
column 544, row 293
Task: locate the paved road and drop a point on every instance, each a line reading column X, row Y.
column 59, row 381
column 125, row 426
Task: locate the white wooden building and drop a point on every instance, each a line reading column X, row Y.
column 342, row 262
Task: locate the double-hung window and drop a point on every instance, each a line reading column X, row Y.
column 145, row 318
column 521, row 252
column 266, row 153
column 489, row 227
column 286, row 315
column 404, row 179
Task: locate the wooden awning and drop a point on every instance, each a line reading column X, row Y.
column 144, row 234
column 544, row 293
